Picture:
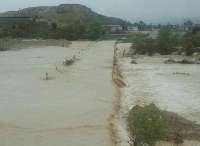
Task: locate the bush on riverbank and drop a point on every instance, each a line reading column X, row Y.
column 165, row 43
column 149, row 125
column 191, row 43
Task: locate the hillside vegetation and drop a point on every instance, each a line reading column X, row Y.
column 70, row 21
column 64, row 14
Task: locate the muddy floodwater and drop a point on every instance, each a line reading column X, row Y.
column 172, row 87
column 70, row 109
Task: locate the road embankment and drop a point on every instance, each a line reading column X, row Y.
column 119, row 134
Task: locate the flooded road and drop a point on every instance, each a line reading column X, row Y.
column 70, row 109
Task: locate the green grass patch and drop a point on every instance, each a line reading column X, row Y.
column 147, row 125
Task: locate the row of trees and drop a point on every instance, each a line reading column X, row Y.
column 141, row 25
column 168, row 41
column 36, row 29
column 76, row 31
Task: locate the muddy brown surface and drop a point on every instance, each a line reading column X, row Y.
column 70, row 109
column 16, row 44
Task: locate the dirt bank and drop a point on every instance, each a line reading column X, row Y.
column 119, row 134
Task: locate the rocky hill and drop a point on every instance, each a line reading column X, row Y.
column 64, row 14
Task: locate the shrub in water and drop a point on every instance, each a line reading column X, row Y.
column 147, row 124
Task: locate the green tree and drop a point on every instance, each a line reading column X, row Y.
column 165, row 41
column 95, row 31
column 54, row 25
column 147, row 124
column 190, row 42
column 141, row 25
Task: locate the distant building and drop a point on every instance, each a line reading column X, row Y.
column 113, row 28
column 132, row 28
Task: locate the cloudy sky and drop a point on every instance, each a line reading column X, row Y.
column 132, row 10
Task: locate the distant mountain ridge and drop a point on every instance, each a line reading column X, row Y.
column 65, row 14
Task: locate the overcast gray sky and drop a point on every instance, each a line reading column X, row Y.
column 132, row 10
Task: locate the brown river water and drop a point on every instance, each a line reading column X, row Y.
column 70, row 109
